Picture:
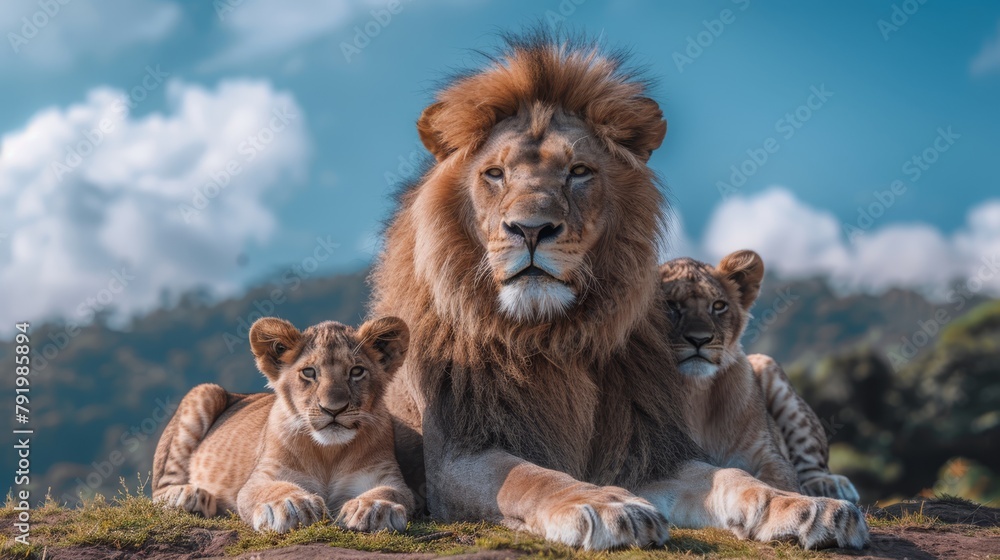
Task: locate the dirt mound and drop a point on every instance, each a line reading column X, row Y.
column 948, row 510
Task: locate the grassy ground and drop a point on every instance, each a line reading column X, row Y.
column 131, row 522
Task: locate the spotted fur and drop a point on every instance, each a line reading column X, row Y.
column 803, row 439
column 322, row 441
column 724, row 406
column 742, row 410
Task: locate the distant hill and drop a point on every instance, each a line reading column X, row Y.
column 98, row 404
column 100, row 396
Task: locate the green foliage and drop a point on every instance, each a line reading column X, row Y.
column 104, row 396
column 931, row 425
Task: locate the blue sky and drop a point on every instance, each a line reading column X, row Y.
column 868, row 85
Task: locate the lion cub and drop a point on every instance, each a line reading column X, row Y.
column 322, row 441
column 742, row 411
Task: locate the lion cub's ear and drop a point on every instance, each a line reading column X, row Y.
column 389, row 337
column 746, row 269
column 270, row 338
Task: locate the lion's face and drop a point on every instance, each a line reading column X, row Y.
column 709, row 308
column 329, row 376
column 539, row 193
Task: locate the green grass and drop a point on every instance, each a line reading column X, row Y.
column 131, row 521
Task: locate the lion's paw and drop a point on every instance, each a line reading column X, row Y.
column 599, row 518
column 368, row 515
column 286, row 513
column 813, row 522
column 831, row 486
column 188, row 497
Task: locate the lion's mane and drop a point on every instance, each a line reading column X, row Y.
column 597, row 376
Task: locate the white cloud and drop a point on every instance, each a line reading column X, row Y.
column 987, row 60
column 130, row 200
column 677, row 242
column 51, row 35
column 798, row 241
column 258, row 29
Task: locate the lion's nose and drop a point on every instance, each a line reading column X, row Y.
column 698, row 339
column 533, row 235
column 334, row 410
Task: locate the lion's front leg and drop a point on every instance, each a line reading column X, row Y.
column 500, row 487
column 701, row 495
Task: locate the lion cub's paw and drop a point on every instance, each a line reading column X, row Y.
column 831, row 486
column 284, row 514
column 188, row 497
column 599, row 518
column 368, row 515
column 814, row 522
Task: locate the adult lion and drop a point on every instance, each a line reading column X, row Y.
column 524, row 262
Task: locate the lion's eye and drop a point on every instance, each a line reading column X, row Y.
column 308, row 373
column 494, row 173
column 720, row 306
column 580, row 171
column 357, row 372
column 674, row 306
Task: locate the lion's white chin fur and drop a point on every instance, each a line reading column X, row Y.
column 535, row 299
column 333, row 435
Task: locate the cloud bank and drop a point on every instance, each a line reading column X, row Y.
column 797, row 240
column 100, row 210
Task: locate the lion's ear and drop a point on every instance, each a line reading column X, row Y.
column 430, row 133
column 270, row 338
column 389, row 337
column 648, row 130
column 746, row 269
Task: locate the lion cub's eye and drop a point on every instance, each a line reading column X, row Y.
column 308, row 373
column 674, row 307
column 720, row 306
column 580, row 171
column 357, row 372
column 494, row 173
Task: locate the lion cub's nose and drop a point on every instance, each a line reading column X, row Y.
column 334, row 410
column 698, row 339
column 533, row 235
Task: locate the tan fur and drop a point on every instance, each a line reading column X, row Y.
column 802, row 436
column 321, row 442
column 724, row 405
column 549, row 401
column 742, row 409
